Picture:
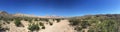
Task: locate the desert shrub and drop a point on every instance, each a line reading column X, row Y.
column 58, row 20
column 6, row 20
column 0, row 26
column 96, row 24
column 36, row 19
column 78, row 28
column 30, row 20
column 74, row 22
column 26, row 19
column 43, row 27
column 33, row 27
column 91, row 30
column 85, row 24
column 11, row 19
column 17, row 22
column 105, row 26
column 41, row 24
column 3, row 29
column 50, row 23
column 53, row 19
column 44, row 19
column 0, row 18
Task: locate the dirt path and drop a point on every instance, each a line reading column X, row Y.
column 62, row 26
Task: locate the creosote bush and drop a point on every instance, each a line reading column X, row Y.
column 36, row 19
column 58, row 20
column 50, row 23
column 96, row 24
column 17, row 22
column 30, row 20
column 33, row 27
column 44, row 19
column 43, row 27
column 74, row 22
column 41, row 24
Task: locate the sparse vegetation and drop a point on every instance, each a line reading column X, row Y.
column 33, row 27
column 95, row 24
column 43, row 27
column 44, row 19
column 30, row 20
column 36, row 19
column 50, row 23
column 74, row 21
column 41, row 24
column 3, row 29
column 58, row 20
column 17, row 22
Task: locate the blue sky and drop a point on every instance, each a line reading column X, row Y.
column 61, row 7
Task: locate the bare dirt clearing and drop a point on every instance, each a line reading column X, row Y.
column 62, row 26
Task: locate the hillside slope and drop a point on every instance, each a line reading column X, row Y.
column 97, row 23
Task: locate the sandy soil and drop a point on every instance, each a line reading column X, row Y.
column 62, row 26
column 12, row 27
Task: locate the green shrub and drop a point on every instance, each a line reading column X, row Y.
column 74, row 22
column 41, row 24
column 6, row 20
column 44, row 19
column 85, row 24
column 78, row 28
column 36, row 19
column 91, row 30
column 43, row 27
column 3, row 29
column 53, row 19
column 58, row 20
column 33, row 27
column 17, row 22
column 11, row 19
column 26, row 19
column 30, row 20
column 96, row 24
column 50, row 23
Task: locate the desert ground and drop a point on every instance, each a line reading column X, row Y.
column 89, row 23
column 62, row 26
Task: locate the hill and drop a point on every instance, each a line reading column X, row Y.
column 96, row 23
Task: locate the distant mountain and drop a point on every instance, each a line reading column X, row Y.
column 23, row 15
column 4, row 13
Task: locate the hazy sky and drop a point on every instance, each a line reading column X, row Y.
column 61, row 7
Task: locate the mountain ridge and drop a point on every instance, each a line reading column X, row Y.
column 4, row 13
